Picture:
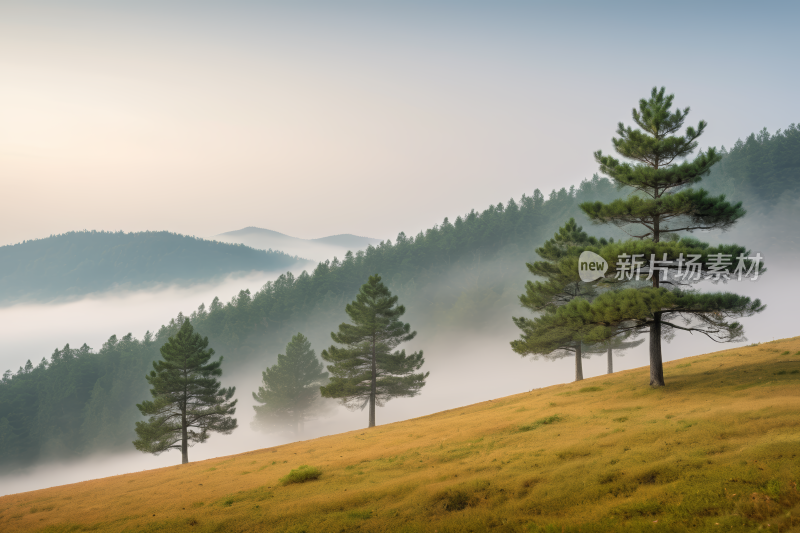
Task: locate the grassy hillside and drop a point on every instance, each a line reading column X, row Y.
column 718, row 449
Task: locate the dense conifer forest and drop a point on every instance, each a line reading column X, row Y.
column 463, row 272
column 762, row 170
column 82, row 262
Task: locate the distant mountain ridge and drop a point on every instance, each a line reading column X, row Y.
column 82, row 262
column 347, row 239
column 316, row 249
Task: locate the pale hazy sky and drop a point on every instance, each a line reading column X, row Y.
column 318, row 118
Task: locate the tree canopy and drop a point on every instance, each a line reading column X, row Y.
column 188, row 401
column 763, row 169
column 661, row 207
column 367, row 370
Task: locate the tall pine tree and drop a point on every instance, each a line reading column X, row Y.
column 290, row 392
column 660, row 207
column 367, row 370
column 188, row 401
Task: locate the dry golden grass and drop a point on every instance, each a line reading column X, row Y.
column 718, row 449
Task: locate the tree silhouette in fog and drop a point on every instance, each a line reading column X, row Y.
column 290, row 392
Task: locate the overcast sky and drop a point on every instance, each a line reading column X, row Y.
column 368, row 118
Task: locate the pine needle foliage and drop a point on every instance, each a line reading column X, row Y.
column 290, row 390
column 367, row 370
column 188, row 401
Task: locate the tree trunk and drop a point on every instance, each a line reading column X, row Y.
column 373, row 388
column 610, row 362
column 656, row 367
column 578, row 364
column 184, row 440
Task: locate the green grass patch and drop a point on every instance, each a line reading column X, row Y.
column 541, row 422
column 590, row 389
column 301, row 475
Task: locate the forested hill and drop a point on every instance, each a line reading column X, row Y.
column 460, row 272
column 762, row 171
column 465, row 272
column 81, row 262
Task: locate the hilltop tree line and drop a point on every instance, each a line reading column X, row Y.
column 761, row 170
column 415, row 265
column 58, row 406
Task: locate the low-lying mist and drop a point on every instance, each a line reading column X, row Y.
column 464, row 369
column 467, row 364
column 32, row 331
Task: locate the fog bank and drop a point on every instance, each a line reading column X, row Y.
column 33, row 331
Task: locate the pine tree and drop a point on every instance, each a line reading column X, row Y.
column 188, row 401
column 290, row 393
column 367, row 370
column 562, row 284
column 661, row 206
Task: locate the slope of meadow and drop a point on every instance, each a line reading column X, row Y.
column 718, row 449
